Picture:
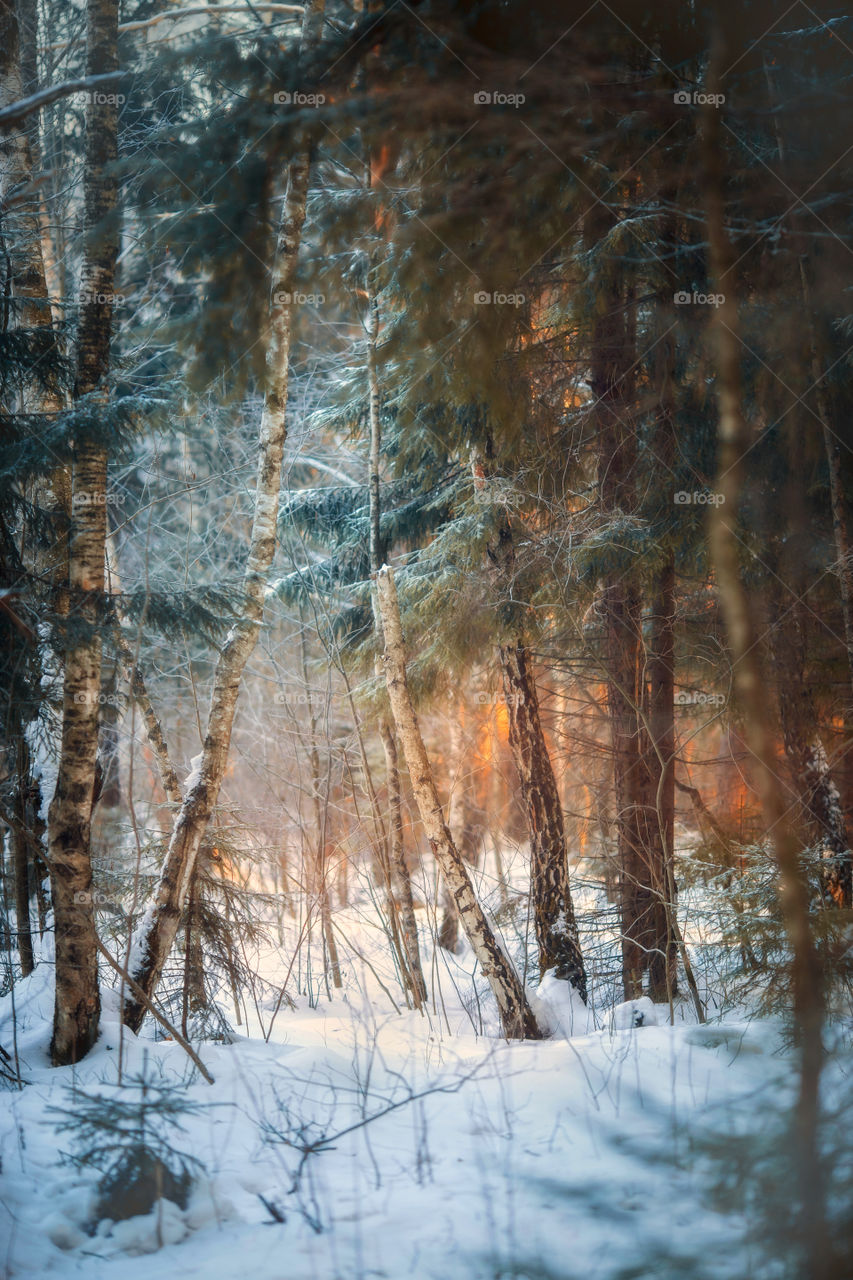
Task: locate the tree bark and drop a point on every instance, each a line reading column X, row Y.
column 77, row 1008
column 156, row 935
column 734, row 440
column 553, row 910
column 517, row 1017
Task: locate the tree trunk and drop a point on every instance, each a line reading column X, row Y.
column 399, row 868
column 611, row 358
column 157, row 933
column 401, row 907
column 734, row 440
column 553, row 911
column 77, row 1008
column 517, row 1017
column 828, row 817
column 458, row 826
column 822, row 809
column 20, row 843
column 663, row 956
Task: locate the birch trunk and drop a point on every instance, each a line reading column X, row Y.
column 553, row 910
column 517, row 1017
column 734, row 441
column 401, row 907
column 77, row 1007
column 155, row 937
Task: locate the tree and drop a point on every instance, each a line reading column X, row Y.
column 69, row 825
column 517, row 1018
column 160, row 925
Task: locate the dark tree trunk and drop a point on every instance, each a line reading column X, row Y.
column 553, row 910
column 734, row 444
column 663, row 956
column 611, row 358
column 822, row 808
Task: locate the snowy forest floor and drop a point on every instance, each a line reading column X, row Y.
column 394, row 1144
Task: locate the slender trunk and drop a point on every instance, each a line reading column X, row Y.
column 32, row 312
column 193, row 996
column 319, row 874
column 457, row 823
column 734, row 440
column 401, row 908
column 399, row 868
column 660, row 674
column 20, row 842
column 77, row 1009
column 611, row 357
column 157, row 934
column 517, row 1017
column 553, row 910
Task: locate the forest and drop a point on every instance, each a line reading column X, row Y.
column 426, row 639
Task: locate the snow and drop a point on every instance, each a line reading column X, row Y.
column 637, row 1013
column 438, row 1150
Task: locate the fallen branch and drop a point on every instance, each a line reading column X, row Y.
column 161, row 1018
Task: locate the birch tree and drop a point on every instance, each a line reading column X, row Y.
column 157, row 931
column 77, row 1004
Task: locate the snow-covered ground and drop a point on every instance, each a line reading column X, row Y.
column 437, row 1152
